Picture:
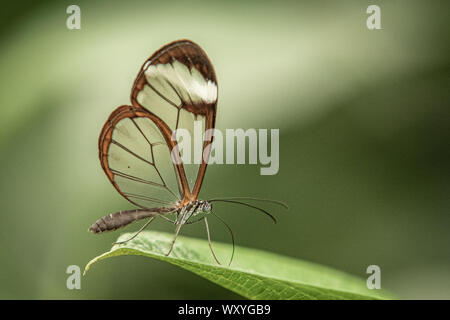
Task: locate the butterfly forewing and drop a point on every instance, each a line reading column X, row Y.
column 178, row 84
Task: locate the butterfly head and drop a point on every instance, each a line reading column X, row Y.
column 205, row 206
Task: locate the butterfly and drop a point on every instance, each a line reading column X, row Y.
column 138, row 150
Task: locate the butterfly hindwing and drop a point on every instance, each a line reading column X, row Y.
column 136, row 159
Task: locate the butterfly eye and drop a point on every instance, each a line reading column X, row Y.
column 206, row 207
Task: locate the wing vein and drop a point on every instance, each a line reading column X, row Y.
column 162, row 96
column 131, row 152
column 134, row 178
column 142, row 197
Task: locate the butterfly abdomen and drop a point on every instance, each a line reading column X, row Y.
column 119, row 219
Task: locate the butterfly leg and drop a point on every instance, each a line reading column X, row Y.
column 139, row 231
column 209, row 240
column 177, row 230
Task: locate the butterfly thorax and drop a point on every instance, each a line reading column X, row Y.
column 192, row 209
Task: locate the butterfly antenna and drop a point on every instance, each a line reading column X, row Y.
column 247, row 205
column 281, row 203
column 231, row 234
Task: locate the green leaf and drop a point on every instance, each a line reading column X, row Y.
column 254, row 274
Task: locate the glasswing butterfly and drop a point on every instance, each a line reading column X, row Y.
column 138, row 151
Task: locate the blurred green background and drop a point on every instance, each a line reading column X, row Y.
column 364, row 138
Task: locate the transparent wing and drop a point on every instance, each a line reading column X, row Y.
column 136, row 158
column 178, row 86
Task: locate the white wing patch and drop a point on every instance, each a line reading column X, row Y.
column 189, row 84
